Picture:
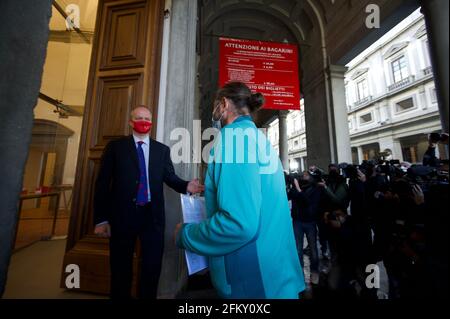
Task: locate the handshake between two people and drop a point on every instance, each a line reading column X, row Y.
column 194, row 187
column 104, row 230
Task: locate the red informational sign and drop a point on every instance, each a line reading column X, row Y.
column 266, row 67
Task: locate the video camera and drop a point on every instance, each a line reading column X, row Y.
column 289, row 178
column 438, row 138
column 292, row 176
column 350, row 171
column 317, row 175
column 390, row 168
column 367, row 167
column 426, row 177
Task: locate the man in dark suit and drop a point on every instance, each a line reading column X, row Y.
column 129, row 204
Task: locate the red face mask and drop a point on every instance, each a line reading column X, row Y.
column 142, row 127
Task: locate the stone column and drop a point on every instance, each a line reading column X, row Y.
column 341, row 131
column 319, row 128
column 24, row 36
column 436, row 19
column 177, row 110
column 397, row 153
column 283, row 139
column 360, row 154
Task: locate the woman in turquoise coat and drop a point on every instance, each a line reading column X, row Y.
column 248, row 234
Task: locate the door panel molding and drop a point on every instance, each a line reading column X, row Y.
column 124, row 72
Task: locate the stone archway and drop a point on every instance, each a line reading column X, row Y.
column 297, row 22
column 239, row 20
column 329, row 34
column 51, row 137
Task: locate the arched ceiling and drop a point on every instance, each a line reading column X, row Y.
column 327, row 31
column 290, row 21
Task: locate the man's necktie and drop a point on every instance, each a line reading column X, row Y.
column 142, row 195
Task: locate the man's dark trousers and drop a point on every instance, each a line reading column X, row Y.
column 122, row 247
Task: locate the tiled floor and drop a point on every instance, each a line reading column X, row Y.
column 35, row 272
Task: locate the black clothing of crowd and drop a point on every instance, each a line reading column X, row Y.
column 379, row 211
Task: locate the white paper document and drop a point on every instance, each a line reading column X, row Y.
column 194, row 211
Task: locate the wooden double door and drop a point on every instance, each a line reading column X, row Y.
column 124, row 72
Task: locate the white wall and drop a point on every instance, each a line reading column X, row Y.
column 387, row 126
column 65, row 78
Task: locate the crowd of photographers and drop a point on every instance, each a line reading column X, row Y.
column 380, row 211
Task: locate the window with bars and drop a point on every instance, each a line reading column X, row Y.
column 433, row 95
column 404, row 105
column 362, row 89
column 399, row 69
column 366, row 118
column 296, row 125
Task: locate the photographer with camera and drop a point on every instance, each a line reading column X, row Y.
column 400, row 237
column 349, row 238
column 362, row 211
column 307, row 197
column 437, row 235
column 336, row 188
column 347, row 275
column 434, row 182
column 429, row 158
column 336, row 194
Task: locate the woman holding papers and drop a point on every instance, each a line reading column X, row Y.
column 248, row 234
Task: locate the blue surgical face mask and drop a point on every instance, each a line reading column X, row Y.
column 216, row 123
